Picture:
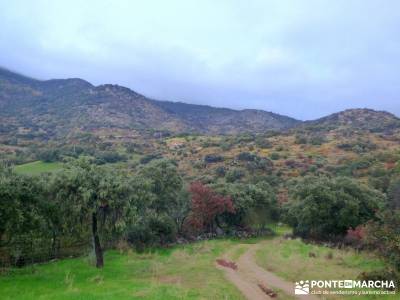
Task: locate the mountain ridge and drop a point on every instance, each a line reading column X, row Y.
column 77, row 101
column 56, row 107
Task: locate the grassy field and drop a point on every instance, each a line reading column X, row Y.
column 185, row 272
column 182, row 272
column 37, row 167
column 291, row 260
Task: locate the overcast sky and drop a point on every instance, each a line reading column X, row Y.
column 303, row 58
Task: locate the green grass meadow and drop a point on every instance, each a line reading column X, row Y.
column 37, row 167
column 183, row 272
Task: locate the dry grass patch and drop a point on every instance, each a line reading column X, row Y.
column 293, row 259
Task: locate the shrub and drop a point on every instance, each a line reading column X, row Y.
column 220, row 171
column 49, row 155
column 324, row 208
column 225, row 146
column 166, row 183
column 131, row 148
column 381, row 275
column 152, row 230
column 213, row 158
column 263, row 143
column 274, row 156
column 317, row 140
column 148, row 158
column 355, row 237
column 109, row 157
column 245, row 138
column 394, row 194
column 255, row 204
column 246, row 156
column 234, row 175
column 358, row 146
column 207, row 205
column 293, row 164
column 300, row 139
column 263, row 164
column 383, row 236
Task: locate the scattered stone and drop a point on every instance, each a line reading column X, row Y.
column 227, row 264
column 329, row 255
column 267, row 291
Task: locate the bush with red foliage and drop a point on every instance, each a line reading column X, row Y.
column 207, row 205
column 355, row 236
column 390, row 165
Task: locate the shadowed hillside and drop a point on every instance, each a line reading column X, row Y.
column 53, row 108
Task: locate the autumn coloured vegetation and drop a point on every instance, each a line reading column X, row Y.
column 88, row 190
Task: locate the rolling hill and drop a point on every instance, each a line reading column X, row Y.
column 357, row 119
column 53, row 108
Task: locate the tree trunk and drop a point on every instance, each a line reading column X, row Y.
column 96, row 241
column 53, row 245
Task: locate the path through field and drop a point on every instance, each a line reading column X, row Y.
column 249, row 277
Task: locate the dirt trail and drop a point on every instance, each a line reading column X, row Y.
column 248, row 275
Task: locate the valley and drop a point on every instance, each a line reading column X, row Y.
column 110, row 195
column 199, row 150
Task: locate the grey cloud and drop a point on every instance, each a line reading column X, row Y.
column 305, row 59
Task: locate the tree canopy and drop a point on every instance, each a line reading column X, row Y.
column 322, row 207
